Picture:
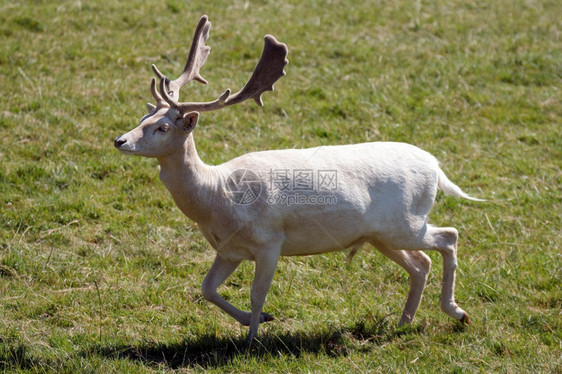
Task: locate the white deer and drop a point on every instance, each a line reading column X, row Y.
column 294, row 202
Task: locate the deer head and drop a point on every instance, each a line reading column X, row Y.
column 170, row 122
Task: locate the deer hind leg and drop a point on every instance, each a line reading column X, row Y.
column 219, row 272
column 417, row 264
column 443, row 240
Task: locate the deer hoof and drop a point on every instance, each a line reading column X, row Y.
column 464, row 319
column 266, row 317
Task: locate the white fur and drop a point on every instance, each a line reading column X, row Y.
column 383, row 196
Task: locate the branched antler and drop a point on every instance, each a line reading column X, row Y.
column 195, row 60
column 268, row 70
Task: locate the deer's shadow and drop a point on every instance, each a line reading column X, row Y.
column 208, row 350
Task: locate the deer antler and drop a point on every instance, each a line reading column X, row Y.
column 156, row 94
column 195, row 60
column 268, row 70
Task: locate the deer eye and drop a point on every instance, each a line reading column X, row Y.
column 163, row 129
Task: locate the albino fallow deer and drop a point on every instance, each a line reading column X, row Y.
column 294, row 202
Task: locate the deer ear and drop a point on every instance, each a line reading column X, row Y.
column 150, row 107
column 189, row 121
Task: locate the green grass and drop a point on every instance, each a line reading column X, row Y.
column 100, row 272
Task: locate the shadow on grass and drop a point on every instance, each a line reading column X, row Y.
column 209, row 351
column 16, row 356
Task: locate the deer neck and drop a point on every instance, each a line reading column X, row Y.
column 192, row 184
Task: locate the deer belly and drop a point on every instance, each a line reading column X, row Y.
column 318, row 238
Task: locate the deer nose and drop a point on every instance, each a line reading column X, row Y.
column 119, row 142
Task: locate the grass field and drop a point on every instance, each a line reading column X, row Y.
column 100, row 272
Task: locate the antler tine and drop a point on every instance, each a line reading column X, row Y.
column 155, row 94
column 198, row 54
column 268, row 70
column 165, row 95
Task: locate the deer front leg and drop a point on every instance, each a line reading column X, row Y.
column 219, row 272
column 265, row 268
